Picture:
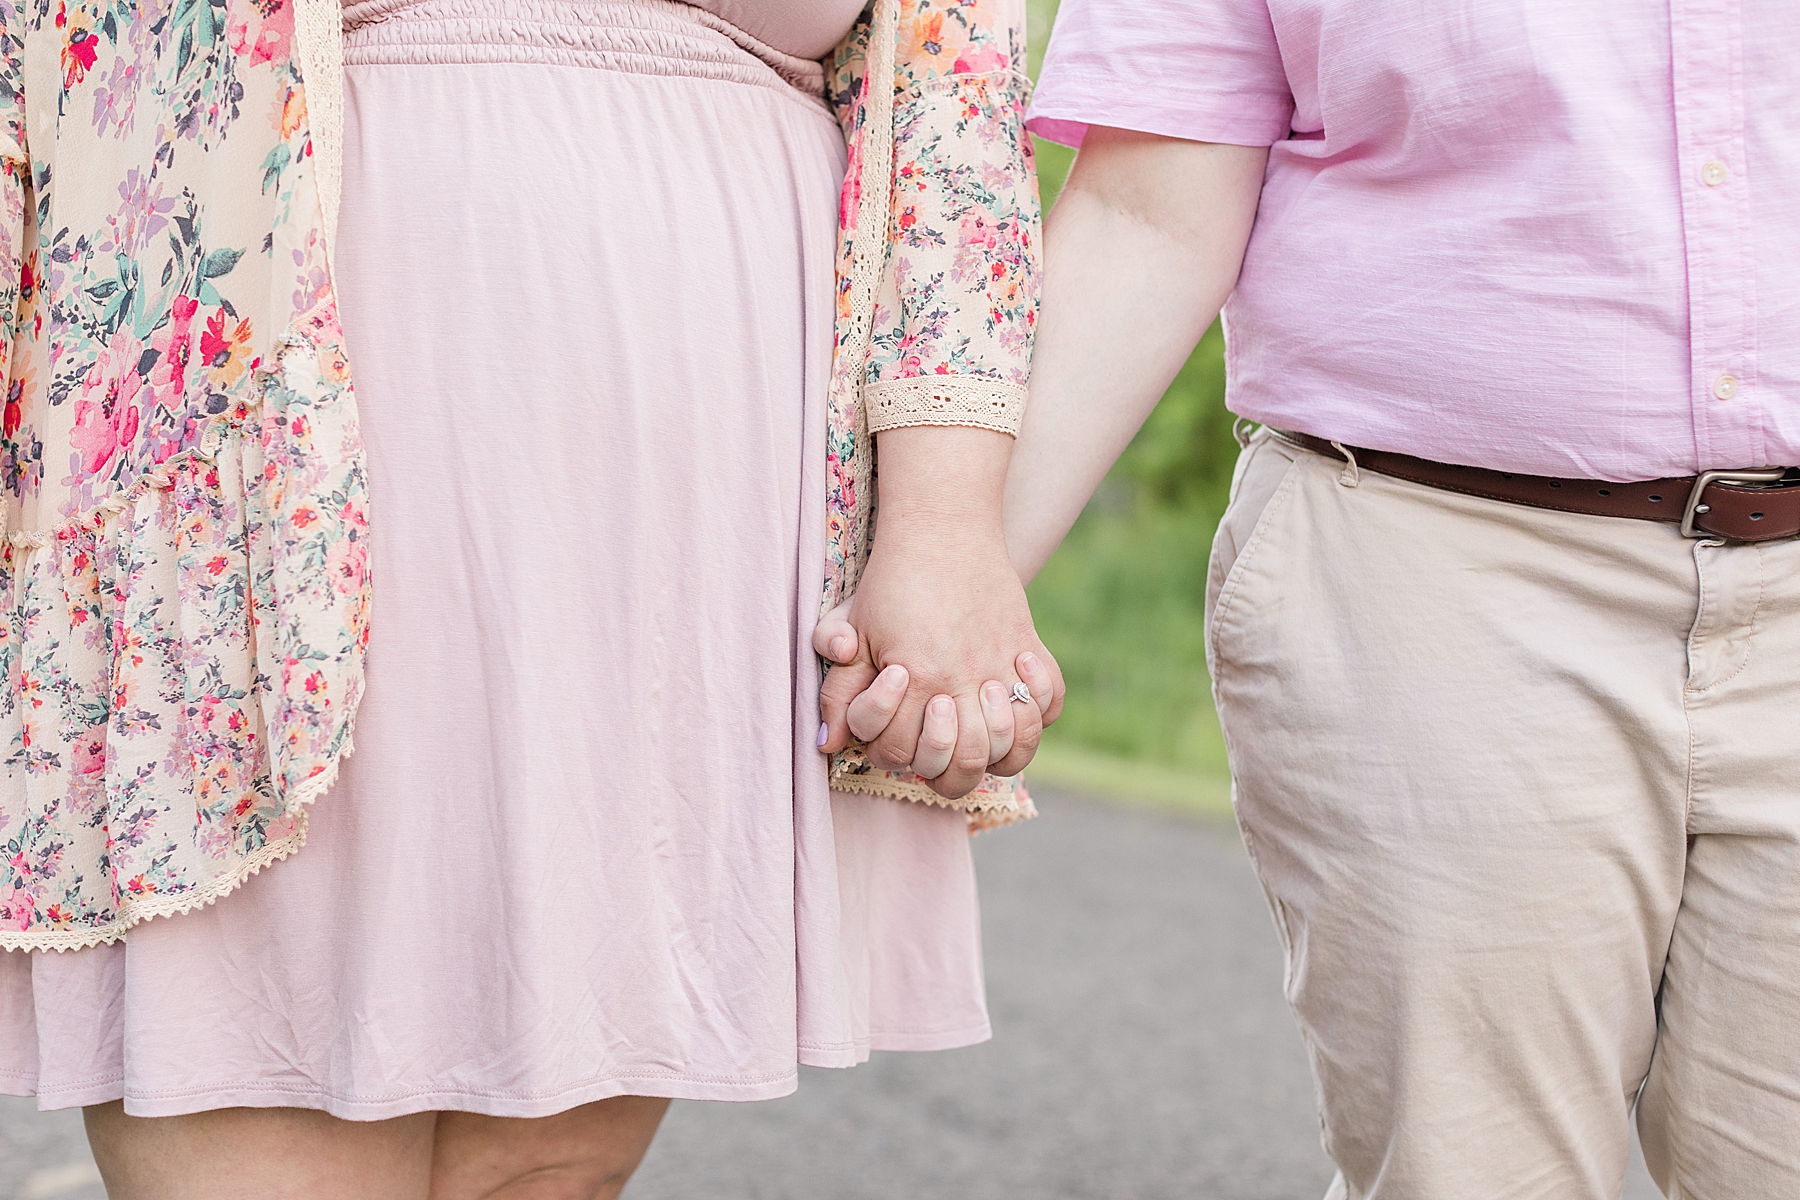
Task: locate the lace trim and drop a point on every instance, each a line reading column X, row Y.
column 319, row 47
column 159, row 478
column 985, row 810
column 869, row 249
column 140, row 911
column 945, row 400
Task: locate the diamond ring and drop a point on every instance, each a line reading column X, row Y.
column 1022, row 694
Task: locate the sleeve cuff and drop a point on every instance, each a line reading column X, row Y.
column 1235, row 119
column 945, row 400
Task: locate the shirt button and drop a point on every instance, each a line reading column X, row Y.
column 1725, row 386
column 1713, row 173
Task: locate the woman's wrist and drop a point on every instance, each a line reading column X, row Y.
column 943, row 486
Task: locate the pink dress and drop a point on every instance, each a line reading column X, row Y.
column 586, row 266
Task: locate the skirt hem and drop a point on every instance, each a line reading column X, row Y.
column 851, row 1054
column 434, row 1100
column 188, row 1101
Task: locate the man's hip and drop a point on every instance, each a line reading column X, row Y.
column 1506, row 774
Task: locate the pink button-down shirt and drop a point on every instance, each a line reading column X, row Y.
column 1553, row 236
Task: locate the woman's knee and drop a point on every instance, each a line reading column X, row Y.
column 587, row 1153
column 281, row 1153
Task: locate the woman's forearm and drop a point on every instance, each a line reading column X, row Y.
column 1142, row 249
column 940, row 598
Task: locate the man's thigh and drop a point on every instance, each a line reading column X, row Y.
column 1457, row 733
column 1720, row 1114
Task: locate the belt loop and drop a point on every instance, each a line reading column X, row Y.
column 1351, row 475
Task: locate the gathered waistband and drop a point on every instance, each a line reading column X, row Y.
column 645, row 37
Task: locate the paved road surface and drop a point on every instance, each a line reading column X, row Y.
column 1143, row 1052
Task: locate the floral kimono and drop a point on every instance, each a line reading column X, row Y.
column 937, row 277
column 184, row 558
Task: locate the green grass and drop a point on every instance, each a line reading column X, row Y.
column 1132, row 781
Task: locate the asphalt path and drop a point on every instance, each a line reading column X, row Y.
column 1142, row 1051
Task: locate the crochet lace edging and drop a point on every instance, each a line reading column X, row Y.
column 983, row 812
column 61, row 940
column 869, row 248
column 945, row 400
column 319, row 47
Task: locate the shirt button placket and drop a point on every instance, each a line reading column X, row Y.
column 1707, row 44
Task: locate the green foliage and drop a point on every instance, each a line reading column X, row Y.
column 1121, row 604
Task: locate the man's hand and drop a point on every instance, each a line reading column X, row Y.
column 858, row 702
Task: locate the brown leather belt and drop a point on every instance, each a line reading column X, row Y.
column 1739, row 506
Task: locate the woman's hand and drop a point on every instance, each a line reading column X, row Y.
column 859, row 702
column 951, row 720
column 939, row 632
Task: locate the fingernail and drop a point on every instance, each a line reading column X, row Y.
column 943, row 708
column 995, row 695
column 824, row 732
column 1029, row 662
column 892, row 675
column 840, row 647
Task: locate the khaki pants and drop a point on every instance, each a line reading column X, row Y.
column 1523, row 788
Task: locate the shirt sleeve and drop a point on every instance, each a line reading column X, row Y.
column 1206, row 70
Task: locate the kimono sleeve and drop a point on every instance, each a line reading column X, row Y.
column 956, row 308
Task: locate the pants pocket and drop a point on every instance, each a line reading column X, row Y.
column 1262, row 481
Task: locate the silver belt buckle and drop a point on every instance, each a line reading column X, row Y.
column 1708, row 478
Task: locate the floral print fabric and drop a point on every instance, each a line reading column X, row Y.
column 956, row 308
column 184, row 568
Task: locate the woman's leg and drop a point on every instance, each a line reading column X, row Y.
column 272, row 1153
column 298, row 1154
column 586, row 1153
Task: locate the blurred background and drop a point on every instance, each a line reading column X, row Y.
column 1143, row 1048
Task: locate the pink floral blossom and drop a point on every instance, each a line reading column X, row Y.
column 261, row 30
column 107, row 415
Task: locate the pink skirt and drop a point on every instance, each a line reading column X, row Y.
column 585, row 847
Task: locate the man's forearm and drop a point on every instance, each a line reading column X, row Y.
column 1141, row 251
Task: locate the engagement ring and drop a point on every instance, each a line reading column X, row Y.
column 1022, row 694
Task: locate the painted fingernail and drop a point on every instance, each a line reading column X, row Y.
column 1029, row 662
column 943, row 708
column 995, row 695
column 824, row 732
column 840, row 647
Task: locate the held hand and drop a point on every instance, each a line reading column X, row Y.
column 857, row 702
column 941, row 599
column 958, row 621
